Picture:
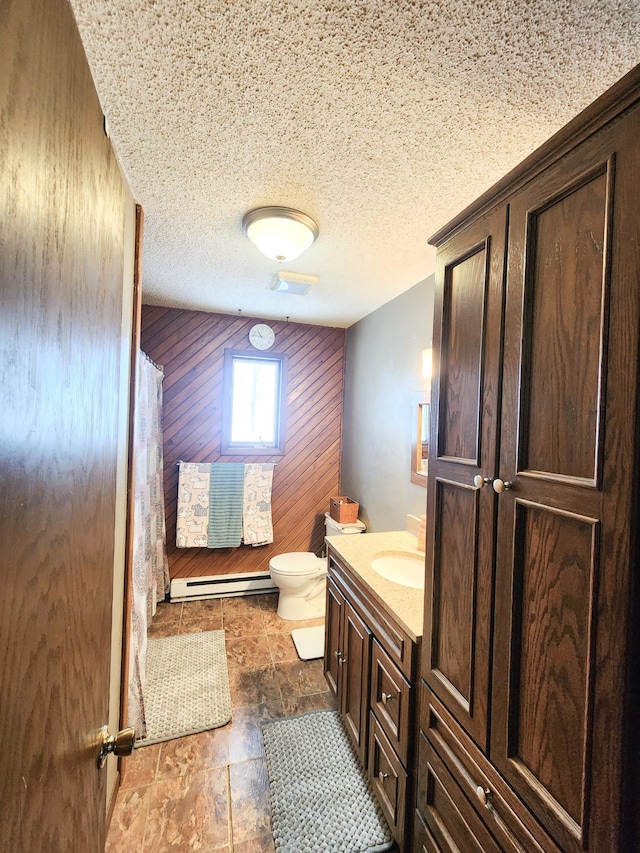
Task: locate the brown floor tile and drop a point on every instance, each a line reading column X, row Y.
column 201, row 609
column 189, row 813
column 301, row 678
column 244, row 624
column 203, row 623
column 167, row 612
column 245, row 732
column 163, row 629
column 245, row 603
column 248, row 651
column 250, row 806
column 254, row 685
column 193, row 754
column 127, row 829
column 264, row 844
column 141, row 766
column 180, row 795
column 294, row 705
column 268, row 600
column 282, row 647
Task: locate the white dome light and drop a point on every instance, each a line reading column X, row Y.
column 280, row 233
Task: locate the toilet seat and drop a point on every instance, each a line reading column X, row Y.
column 298, row 563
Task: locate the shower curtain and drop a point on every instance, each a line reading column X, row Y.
column 150, row 568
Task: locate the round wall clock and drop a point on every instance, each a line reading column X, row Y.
column 261, row 336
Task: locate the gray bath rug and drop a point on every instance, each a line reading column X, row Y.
column 187, row 687
column 321, row 800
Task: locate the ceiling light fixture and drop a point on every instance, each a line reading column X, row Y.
column 281, row 233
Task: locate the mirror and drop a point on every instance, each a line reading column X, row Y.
column 420, row 441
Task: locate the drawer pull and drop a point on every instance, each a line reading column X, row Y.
column 382, row 776
column 484, row 795
column 385, row 697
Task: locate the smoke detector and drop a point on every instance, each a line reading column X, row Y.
column 293, row 282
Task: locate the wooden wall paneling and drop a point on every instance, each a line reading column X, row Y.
column 190, row 346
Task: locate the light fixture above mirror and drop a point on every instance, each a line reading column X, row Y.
column 281, row 233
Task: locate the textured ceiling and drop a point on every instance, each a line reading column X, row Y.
column 380, row 118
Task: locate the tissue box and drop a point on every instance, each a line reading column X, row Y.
column 344, row 510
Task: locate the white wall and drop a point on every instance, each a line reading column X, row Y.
column 383, row 373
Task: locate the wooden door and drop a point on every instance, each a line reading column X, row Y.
column 61, row 280
column 354, row 680
column 460, row 516
column 333, row 635
column 563, row 555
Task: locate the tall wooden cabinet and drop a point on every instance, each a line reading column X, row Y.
column 530, row 643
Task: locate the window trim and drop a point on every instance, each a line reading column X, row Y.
column 227, row 448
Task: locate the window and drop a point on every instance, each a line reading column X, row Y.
column 254, row 397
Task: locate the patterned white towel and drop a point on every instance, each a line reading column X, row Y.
column 192, row 524
column 257, row 522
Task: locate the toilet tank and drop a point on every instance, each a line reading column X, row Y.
column 333, row 528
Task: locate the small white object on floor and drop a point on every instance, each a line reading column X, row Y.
column 309, row 642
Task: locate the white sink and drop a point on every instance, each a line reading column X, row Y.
column 401, row 567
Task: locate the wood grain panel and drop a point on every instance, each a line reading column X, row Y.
column 461, row 358
column 190, row 345
column 61, row 285
column 565, row 346
column 455, row 582
column 555, row 555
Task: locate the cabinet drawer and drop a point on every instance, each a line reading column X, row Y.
column 451, row 824
column 388, row 779
column 391, row 701
column 494, row 802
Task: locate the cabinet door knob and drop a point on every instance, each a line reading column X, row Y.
column 479, row 481
column 500, row 486
column 382, row 776
column 336, row 655
column 484, row 795
column 385, row 697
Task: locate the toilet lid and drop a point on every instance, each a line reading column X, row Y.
column 298, row 563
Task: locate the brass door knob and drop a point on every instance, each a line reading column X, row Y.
column 382, row 776
column 500, row 486
column 385, row 697
column 119, row 744
column 479, row 481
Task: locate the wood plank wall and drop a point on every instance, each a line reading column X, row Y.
column 190, row 346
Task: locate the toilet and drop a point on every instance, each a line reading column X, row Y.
column 301, row 577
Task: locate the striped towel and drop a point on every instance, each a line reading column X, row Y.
column 225, row 505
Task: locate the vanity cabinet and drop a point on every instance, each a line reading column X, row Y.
column 531, row 613
column 372, row 667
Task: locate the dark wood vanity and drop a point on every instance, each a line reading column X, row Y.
column 529, row 698
column 372, row 666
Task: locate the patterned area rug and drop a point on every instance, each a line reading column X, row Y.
column 321, row 799
column 187, row 686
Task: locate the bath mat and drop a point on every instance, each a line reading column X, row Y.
column 321, row 799
column 187, row 687
column 309, row 642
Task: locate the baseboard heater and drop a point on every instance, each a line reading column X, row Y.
column 216, row 586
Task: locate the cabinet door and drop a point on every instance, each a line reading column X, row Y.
column 354, row 678
column 460, row 516
column 333, row 638
column 563, row 550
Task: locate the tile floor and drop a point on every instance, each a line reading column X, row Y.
column 209, row 792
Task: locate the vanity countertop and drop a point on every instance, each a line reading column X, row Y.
column 403, row 603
